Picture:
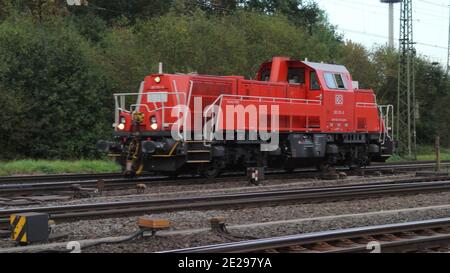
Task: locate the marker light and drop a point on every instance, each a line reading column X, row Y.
column 158, row 79
column 121, row 126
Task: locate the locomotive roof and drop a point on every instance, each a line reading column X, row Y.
column 327, row 67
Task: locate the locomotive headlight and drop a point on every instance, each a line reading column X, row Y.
column 158, row 79
column 153, row 123
column 122, row 122
column 121, row 126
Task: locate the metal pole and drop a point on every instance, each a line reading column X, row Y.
column 406, row 100
column 391, row 25
column 448, row 54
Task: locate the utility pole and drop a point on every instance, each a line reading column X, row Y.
column 448, row 54
column 391, row 25
column 406, row 99
column 391, row 20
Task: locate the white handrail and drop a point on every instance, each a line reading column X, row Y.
column 261, row 99
column 219, row 101
column 188, row 103
column 120, row 104
column 366, row 105
column 386, row 122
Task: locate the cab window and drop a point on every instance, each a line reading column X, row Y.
column 314, row 82
column 329, row 79
column 296, row 76
column 265, row 75
column 334, row 81
column 339, row 81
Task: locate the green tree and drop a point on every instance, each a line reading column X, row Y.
column 53, row 77
column 358, row 61
column 431, row 92
column 125, row 62
column 385, row 61
column 300, row 12
column 114, row 11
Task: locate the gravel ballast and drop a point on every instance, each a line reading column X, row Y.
column 182, row 220
column 154, row 192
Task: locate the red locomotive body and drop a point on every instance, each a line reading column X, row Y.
column 316, row 113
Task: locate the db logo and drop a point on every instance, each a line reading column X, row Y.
column 339, row 99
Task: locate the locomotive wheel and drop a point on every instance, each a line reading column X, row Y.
column 289, row 170
column 354, row 167
column 210, row 171
column 130, row 174
column 171, row 175
column 323, row 167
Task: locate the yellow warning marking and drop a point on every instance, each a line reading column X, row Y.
column 141, row 168
column 170, row 153
column 12, row 218
column 18, row 228
column 24, row 238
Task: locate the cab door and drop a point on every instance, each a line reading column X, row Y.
column 314, row 92
column 314, row 89
column 296, row 83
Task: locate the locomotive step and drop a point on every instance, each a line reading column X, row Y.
column 198, row 154
column 198, row 161
column 198, row 151
column 196, row 147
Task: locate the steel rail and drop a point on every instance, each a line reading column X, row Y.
column 9, row 190
column 108, row 209
column 59, row 178
column 390, row 237
column 81, row 177
column 39, row 187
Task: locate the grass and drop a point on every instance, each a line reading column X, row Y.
column 43, row 167
column 425, row 153
column 428, row 153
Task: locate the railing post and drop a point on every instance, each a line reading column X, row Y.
column 116, row 111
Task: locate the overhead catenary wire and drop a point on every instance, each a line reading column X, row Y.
column 386, row 37
column 426, row 19
column 433, row 3
column 364, row 5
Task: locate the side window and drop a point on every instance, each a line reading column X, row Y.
column 339, row 81
column 329, row 79
column 296, row 75
column 314, row 82
column 334, row 81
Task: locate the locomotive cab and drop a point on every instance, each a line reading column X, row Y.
column 301, row 79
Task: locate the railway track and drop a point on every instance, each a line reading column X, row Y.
column 320, row 194
column 17, row 187
column 4, row 180
column 404, row 237
column 117, row 184
column 57, row 178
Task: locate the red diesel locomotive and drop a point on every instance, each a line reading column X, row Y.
column 310, row 114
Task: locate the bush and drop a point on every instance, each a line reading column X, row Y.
column 51, row 74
